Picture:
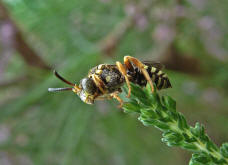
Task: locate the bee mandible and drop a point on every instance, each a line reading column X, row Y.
column 105, row 81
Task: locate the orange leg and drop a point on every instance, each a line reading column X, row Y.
column 123, row 71
column 98, row 82
column 115, row 95
column 108, row 97
column 128, row 60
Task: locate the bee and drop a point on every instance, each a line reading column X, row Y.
column 105, row 81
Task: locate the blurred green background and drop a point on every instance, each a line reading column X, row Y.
column 36, row 36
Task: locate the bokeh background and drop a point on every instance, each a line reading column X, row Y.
column 36, row 36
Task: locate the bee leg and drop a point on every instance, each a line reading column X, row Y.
column 123, row 71
column 128, row 60
column 98, row 82
column 115, row 95
column 108, row 97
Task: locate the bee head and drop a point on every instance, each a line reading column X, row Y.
column 88, row 89
column 85, row 90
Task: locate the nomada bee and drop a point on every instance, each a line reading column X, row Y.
column 105, row 81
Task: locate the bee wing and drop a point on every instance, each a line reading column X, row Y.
column 155, row 64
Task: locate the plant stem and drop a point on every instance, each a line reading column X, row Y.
column 161, row 113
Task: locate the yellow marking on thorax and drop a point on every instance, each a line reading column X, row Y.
column 108, row 78
column 98, row 71
column 101, row 66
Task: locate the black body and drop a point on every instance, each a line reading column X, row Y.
column 113, row 80
column 157, row 76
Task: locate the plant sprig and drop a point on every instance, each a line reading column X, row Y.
column 161, row 112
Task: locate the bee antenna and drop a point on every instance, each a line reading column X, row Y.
column 62, row 79
column 58, row 89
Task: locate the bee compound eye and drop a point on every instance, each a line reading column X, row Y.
column 88, row 85
column 83, row 83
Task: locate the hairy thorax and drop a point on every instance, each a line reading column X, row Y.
column 111, row 78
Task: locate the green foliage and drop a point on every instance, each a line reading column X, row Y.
column 161, row 112
column 224, row 150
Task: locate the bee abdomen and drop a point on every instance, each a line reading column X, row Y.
column 159, row 78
